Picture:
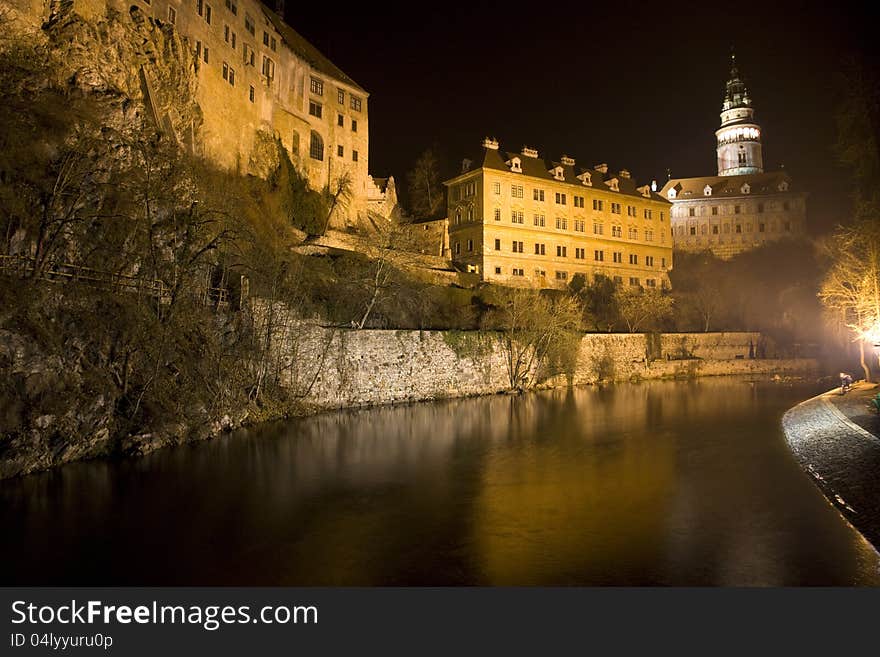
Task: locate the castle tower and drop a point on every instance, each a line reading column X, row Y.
column 739, row 137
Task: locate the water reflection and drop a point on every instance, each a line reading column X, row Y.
column 653, row 483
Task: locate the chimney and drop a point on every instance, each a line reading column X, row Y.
column 601, row 168
column 279, row 7
column 529, row 152
column 465, row 165
column 654, row 185
column 490, row 142
column 567, row 161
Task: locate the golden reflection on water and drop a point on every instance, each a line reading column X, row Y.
column 652, row 483
column 572, row 500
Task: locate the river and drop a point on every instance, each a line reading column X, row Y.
column 657, row 483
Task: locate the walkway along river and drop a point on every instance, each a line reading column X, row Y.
column 672, row 483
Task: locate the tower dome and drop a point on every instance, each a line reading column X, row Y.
column 739, row 137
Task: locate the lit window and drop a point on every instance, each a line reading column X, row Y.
column 355, row 103
column 340, row 96
column 516, row 191
column 316, row 86
column 496, row 187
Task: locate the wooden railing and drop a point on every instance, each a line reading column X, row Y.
column 24, row 267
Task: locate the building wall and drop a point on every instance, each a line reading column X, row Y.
column 729, row 232
column 540, row 270
column 238, row 100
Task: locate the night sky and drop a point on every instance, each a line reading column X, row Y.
column 636, row 85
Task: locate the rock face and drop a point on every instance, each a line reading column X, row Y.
column 47, row 416
column 140, row 68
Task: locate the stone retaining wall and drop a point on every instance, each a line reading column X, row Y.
column 356, row 368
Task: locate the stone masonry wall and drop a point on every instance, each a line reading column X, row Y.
column 337, row 368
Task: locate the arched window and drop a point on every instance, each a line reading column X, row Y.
column 316, row 147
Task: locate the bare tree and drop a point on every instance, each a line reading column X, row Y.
column 337, row 197
column 425, row 192
column 641, row 307
column 852, row 284
column 531, row 327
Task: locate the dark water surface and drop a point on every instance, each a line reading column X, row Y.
column 683, row 483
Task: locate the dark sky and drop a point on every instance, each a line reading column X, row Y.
column 636, row 85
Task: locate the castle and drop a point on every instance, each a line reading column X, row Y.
column 518, row 219
column 256, row 76
column 743, row 207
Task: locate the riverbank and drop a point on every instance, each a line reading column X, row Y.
column 327, row 369
column 835, row 439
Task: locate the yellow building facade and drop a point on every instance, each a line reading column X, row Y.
column 256, row 75
column 518, row 219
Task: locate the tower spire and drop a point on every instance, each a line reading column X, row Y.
column 739, row 138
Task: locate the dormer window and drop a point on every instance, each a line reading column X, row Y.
column 645, row 190
column 612, row 184
column 673, row 191
column 558, row 173
column 745, row 189
column 586, row 178
column 783, row 186
column 707, row 190
column 515, row 164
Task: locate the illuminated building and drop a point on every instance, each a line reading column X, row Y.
column 743, row 206
column 255, row 76
column 519, row 219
